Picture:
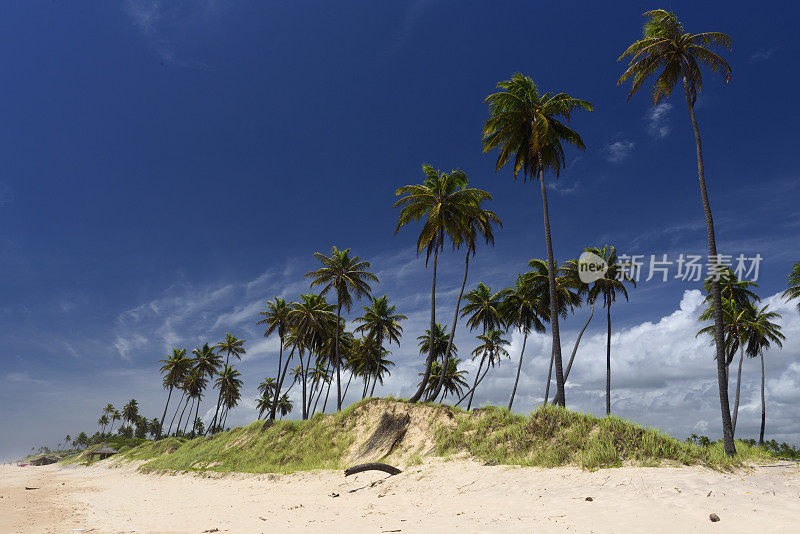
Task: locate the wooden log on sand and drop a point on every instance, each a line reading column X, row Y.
column 373, row 466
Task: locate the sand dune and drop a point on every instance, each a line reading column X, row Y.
column 438, row 496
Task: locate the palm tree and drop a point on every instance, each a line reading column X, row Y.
column 567, row 298
column 312, row 319
column 115, row 416
column 485, row 310
column 194, row 385
column 285, row 405
column 523, row 309
column 264, row 403
column 794, row 285
column 206, row 363
column 130, row 412
column 479, row 224
column 103, row 421
column 612, row 284
column 441, row 340
column 276, row 318
column 229, row 385
column 676, row 55
column 453, row 381
column 525, row 125
column 737, row 319
column 349, row 277
column 380, row 323
column 569, row 275
column 173, row 370
column 763, row 332
column 492, row 347
column 232, row 346
column 448, row 206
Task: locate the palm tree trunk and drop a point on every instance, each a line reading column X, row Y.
column 219, row 400
column 185, row 404
column 719, row 335
column 325, row 404
column 338, row 373
column 196, row 414
column 519, row 368
column 472, row 390
column 477, row 374
column 763, row 404
column 608, row 355
column 374, row 383
column 549, row 378
column 551, row 278
column 429, row 361
column 452, row 332
column 738, row 389
column 190, row 403
column 169, row 430
column 347, row 387
column 575, row 348
column 161, row 424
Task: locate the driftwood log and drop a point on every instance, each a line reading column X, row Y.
column 373, row 466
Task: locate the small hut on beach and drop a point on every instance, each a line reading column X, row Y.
column 102, row 453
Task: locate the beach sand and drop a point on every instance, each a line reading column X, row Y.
column 439, row 496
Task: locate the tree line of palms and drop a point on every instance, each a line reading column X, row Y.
column 528, row 129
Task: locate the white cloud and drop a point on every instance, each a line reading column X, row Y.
column 618, row 151
column 657, row 118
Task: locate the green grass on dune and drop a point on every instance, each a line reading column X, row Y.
column 284, row 447
column 553, row 436
column 118, row 443
column 549, row 437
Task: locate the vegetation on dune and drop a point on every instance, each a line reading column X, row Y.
column 550, row 436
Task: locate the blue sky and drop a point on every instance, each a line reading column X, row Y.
column 169, row 166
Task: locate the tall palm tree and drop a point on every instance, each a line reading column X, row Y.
column 312, row 318
column 569, row 274
column 763, row 332
column 230, row 386
column 492, row 347
column 103, row 421
column 130, row 412
column 231, row 346
column 447, row 205
column 737, row 317
column 173, row 370
column 485, row 310
column 206, row 363
column 566, row 299
column 794, row 285
column 285, row 405
column 276, row 318
column 676, row 55
column 115, row 416
column 480, row 225
column 524, row 310
column 612, row 284
column 527, row 126
column 380, row 323
column 195, row 384
column 453, row 381
column 441, row 340
column 264, row 402
column 349, row 277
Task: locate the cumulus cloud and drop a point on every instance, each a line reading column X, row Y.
column 657, row 117
column 618, row 151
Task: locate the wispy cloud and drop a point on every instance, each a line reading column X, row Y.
column 764, row 54
column 657, row 118
column 618, row 151
column 166, row 26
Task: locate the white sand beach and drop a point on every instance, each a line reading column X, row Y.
column 438, row 496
